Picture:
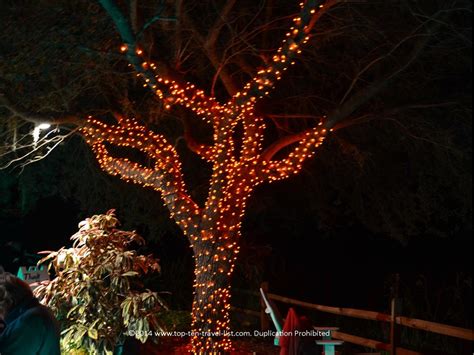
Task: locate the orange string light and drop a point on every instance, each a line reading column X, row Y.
column 213, row 230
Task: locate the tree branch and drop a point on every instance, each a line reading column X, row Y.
column 282, row 143
column 308, row 142
column 170, row 89
column 33, row 152
column 264, row 81
column 211, row 53
column 366, row 94
column 53, row 119
column 214, row 33
column 165, row 177
column 203, row 150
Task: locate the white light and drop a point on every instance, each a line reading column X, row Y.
column 37, row 130
column 43, row 126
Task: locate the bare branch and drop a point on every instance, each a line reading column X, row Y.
column 19, row 156
column 17, row 112
column 212, row 55
column 214, row 33
column 367, row 93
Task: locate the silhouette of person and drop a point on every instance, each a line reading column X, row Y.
column 26, row 326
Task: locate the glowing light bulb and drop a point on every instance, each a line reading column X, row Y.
column 43, row 126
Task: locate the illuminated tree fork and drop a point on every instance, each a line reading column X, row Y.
column 213, row 229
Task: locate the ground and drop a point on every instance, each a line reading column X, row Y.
column 178, row 346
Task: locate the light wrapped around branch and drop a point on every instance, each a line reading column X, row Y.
column 263, row 83
column 293, row 163
column 254, row 130
column 184, row 94
column 165, row 176
column 266, row 78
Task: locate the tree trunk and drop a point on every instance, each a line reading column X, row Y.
column 214, row 263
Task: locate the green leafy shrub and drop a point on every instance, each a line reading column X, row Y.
column 97, row 294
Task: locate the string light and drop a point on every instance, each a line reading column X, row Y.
column 165, row 176
column 214, row 229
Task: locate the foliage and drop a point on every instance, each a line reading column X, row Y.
column 97, row 290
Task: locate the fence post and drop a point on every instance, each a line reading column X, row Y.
column 264, row 321
column 394, row 311
column 393, row 327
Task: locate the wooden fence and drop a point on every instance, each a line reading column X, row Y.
column 395, row 321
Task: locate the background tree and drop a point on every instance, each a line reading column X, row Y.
column 359, row 59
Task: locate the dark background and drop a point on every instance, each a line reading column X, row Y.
column 392, row 195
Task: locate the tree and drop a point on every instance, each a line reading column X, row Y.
column 213, row 230
column 240, row 157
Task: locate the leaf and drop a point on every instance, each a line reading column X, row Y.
column 46, row 252
column 95, row 323
column 126, row 306
column 81, row 331
column 93, row 333
column 131, row 273
column 72, row 310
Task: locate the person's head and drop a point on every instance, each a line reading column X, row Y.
column 13, row 292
